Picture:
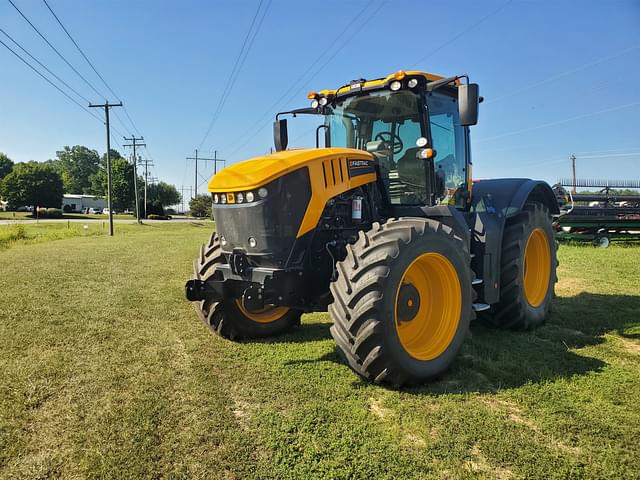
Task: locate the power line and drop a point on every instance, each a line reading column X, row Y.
column 50, row 82
column 335, row 53
column 623, row 149
column 560, row 122
column 43, row 66
column 80, row 50
column 95, row 70
column 563, row 74
column 634, row 154
column 126, row 112
column 466, row 30
column 236, row 68
column 135, row 128
column 318, row 58
column 55, row 49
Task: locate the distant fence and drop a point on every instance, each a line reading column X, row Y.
column 581, row 182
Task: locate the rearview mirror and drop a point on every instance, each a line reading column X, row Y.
column 468, row 100
column 280, row 135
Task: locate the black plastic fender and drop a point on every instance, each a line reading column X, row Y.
column 492, row 202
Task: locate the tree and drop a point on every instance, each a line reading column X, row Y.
column 200, row 206
column 160, row 196
column 6, row 165
column 122, row 188
column 32, row 183
column 76, row 166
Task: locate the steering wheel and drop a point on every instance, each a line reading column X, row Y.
column 391, row 138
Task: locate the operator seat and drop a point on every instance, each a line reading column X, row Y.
column 411, row 168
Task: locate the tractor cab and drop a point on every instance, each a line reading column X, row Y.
column 411, row 123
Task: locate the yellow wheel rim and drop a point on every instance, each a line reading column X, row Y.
column 265, row 315
column 537, row 267
column 431, row 296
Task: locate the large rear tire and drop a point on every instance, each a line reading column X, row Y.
column 528, row 270
column 229, row 318
column 402, row 301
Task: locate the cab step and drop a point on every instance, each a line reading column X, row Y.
column 481, row 307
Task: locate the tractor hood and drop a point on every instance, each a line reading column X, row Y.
column 254, row 173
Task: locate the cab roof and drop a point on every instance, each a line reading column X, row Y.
column 362, row 84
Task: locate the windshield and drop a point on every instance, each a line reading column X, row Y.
column 387, row 124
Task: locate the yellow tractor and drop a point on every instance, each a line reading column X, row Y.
column 382, row 226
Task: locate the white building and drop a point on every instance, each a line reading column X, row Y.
column 76, row 203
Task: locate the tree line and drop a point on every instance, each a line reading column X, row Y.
column 79, row 170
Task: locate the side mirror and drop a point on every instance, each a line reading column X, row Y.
column 468, row 100
column 280, row 135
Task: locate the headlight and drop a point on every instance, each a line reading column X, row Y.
column 250, row 197
column 395, row 85
column 223, row 241
column 323, row 101
column 223, row 198
column 216, row 199
column 412, row 83
column 239, row 198
column 314, row 103
column 252, row 242
column 263, row 192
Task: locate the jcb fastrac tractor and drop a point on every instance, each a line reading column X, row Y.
column 383, row 227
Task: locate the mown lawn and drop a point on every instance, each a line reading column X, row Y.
column 29, row 216
column 106, row 372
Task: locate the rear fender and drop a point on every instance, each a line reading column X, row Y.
column 492, row 202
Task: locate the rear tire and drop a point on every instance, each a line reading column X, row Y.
column 526, row 292
column 411, row 268
column 228, row 318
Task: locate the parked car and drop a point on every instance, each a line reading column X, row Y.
column 94, row 211
column 105, row 211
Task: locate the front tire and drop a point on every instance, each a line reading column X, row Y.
column 402, row 301
column 229, row 318
column 528, row 270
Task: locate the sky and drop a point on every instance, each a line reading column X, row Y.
column 558, row 76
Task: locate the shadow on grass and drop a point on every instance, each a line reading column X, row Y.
column 493, row 359
column 301, row 334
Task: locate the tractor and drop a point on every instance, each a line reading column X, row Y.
column 383, row 227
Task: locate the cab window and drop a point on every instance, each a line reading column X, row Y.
column 448, row 140
column 387, row 124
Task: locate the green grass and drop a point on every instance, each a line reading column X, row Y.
column 21, row 234
column 106, row 372
column 28, row 216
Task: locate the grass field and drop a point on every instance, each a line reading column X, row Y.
column 106, row 372
column 71, row 216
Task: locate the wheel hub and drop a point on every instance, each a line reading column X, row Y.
column 408, row 302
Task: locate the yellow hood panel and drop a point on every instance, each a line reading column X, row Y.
column 259, row 171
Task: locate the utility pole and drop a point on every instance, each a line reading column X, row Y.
column 146, row 163
column 197, row 159
column 573, row 168
column 182, row 189
column 106, row 107
column 216, row 160
column 133, row 144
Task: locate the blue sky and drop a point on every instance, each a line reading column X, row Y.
column 558, row 77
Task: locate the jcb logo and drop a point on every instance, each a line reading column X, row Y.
column 231, row 198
